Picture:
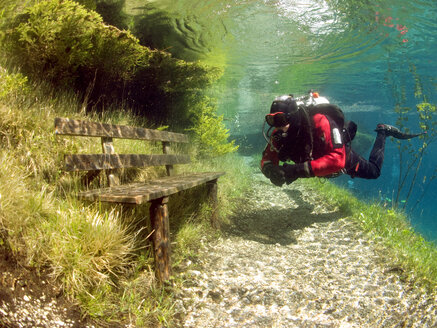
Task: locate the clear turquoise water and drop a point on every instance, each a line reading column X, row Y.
column 365, row 56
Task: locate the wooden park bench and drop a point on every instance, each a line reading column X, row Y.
column 155, row 191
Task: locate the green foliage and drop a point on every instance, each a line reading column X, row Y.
column 210, row 134
column 61, row 41
column 12, row 85
column 427, row 121
column 411, row 156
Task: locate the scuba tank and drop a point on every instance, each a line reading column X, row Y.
column 348, row 128
column 311, row 99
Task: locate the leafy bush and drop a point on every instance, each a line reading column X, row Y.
column 210, row 134
column 12, row 85
column 62, row 42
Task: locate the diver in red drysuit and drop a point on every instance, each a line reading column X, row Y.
column 317, row 145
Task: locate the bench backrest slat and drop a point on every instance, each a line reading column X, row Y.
column 67, row 126
column 85, row 162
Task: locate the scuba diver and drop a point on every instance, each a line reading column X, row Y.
column 312, row 133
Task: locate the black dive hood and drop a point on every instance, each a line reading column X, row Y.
column 285, row 104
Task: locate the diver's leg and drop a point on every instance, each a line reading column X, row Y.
column 377, row 154
column 371, row 169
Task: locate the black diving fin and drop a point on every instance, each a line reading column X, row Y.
column 395, row 132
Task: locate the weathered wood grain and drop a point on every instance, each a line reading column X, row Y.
column 108, row 149
column 90, row 162
column 212, row 195
column 166, row 150
column 161, row 238
column 66, row 126
column 141, row 192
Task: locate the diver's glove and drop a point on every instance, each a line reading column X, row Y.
column 295, row 171
column 275, row 173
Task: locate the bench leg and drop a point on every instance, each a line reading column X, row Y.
column 160, row 237
column 212, row 194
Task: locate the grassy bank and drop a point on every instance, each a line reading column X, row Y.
column 97, row 254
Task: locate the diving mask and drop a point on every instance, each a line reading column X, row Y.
column 277, row 120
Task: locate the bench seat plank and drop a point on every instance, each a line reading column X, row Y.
column 141, row 192
column 72, row 127
column 86, row 162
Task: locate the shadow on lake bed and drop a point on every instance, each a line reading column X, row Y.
column 271, row 215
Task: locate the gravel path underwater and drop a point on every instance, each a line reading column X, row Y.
column 286, row 262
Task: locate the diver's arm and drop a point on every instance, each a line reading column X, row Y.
column 270, row 155
column 270, row 164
